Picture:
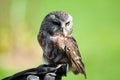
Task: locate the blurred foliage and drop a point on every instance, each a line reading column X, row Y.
column 96, row 29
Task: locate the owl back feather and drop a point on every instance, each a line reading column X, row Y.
column 75, row 57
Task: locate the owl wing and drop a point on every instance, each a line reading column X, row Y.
column 73, row 53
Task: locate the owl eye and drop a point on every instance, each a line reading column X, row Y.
column 56, row 23
column 67, row 24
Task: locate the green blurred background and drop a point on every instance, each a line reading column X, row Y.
column 96, row 29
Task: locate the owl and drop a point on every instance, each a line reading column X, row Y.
column 59, row 46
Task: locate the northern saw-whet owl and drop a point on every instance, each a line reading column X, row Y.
column 59, row 47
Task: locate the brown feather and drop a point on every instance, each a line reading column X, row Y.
column 75, row 57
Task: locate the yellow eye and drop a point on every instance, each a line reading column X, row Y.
column 67, row 24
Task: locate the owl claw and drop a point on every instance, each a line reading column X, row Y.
column 50, row 76
column 33, row 77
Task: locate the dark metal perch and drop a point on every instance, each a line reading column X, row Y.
column 43, row 72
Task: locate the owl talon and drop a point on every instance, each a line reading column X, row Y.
column 50, row 76
column 33, row 77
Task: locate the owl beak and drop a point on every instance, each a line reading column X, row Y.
column 64, row 32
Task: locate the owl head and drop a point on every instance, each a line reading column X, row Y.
column 58, row 22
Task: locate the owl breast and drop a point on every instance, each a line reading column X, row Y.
column 52, row 53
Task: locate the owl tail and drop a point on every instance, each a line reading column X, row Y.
column 78, row 67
